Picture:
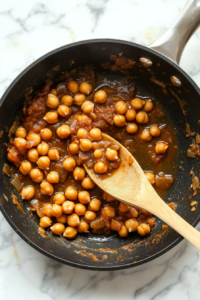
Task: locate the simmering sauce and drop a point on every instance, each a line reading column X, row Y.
column 112, row 111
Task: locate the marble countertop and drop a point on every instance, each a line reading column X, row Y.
column 29, row 29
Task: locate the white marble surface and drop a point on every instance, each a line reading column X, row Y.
column 29, row 29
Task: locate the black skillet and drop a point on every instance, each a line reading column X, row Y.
column 85, row 251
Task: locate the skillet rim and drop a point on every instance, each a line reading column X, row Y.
column 3, row 98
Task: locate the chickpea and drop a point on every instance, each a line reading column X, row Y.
column 119, row 120
column 28, row 193
column 79, row 99
column 146, row 212
column 80, row 209
column 74, row 147
column 145, row 135
column 43, row 148
column 47, row 209
column 56, row 210
column 134, row 212
column 85, row 88
column 53, row 177
column 81, row 118
column 100, row 167
column 111, row 154
column 73, row 220
column 63, row 131
column 123, row 207
column 43, row 162
column 123, row 231
column 83, row 227
column 46, row 134
column 96, row 134
column 57, row 228
column 53, row 154
column 51, row 117
column 137, row 103
column 90, row 216
column 154, row 130
column 64, row 110
column 143, row 229
column 130, row 114
column 68, row 207
column 71, row 193
column 11, row 157
column 70, row 232
column 20, row 132
column 95, row 204
column 150, row 176
column 142, row 117
column 84, row 197
column 79, row 173
column 131, row 128
column 115, row 146
column 25, row 167
column 45, row 222
column 46, row 188
column 131, row 225
column 85, row 145
column 62, row 219
column 73, row 86
column 95, row 146
column 59, row 198
column 148, row 105
column 69, row 164
column 33, row 140
column 53, row 92
column 100, row 96
column 110, row 211
column 82, row 133
column 32, row 155
column 93, row 116
column 98, row 153
column 52, row 101
column 108, row 198
column 19, row 143
column 161, row 147
column 87, row 107
column 87, row 183
column 67, row 100
column 121, row 107
column 36, row 175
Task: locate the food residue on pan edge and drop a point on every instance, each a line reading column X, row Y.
column 41, row 231
column 182, row 103
column 15, row 201
column 5, row 197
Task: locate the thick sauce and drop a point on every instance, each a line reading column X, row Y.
column 161, row 165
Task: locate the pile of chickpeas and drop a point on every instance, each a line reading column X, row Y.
column 35, row 146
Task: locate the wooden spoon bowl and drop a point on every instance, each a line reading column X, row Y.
column 129, row 184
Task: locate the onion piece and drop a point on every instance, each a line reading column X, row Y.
column 190, row 154
column 6, row 170
column 17, row 184
column 198, row 138
column 13, row 128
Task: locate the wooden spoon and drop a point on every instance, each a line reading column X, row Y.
column 129, row 184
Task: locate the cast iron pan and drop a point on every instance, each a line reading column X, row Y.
column 91, row 251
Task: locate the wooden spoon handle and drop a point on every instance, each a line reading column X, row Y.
column 165, row 213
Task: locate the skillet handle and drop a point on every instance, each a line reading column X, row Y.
column 172, row 42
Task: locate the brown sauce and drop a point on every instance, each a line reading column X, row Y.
column 161, row 165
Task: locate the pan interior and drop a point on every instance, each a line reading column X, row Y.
column 96, row 252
